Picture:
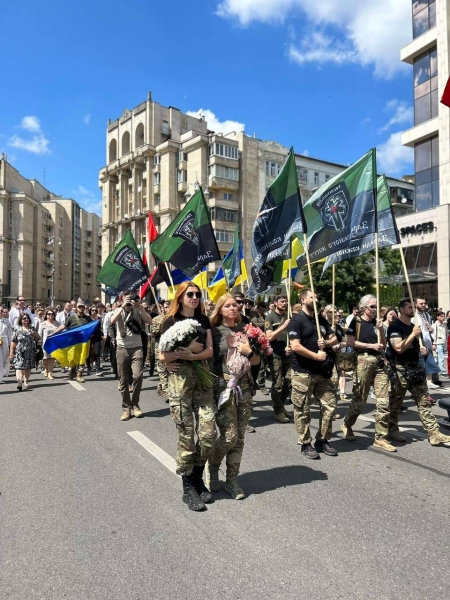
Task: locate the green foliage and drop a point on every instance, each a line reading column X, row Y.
column 391, row 260
column 354, row 279
column 390, row 295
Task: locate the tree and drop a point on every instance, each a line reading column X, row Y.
column 391, row 260
column 354, row 279
column 390, row 295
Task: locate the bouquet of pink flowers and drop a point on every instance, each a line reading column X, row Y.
column 258, row 340
column 238, row 365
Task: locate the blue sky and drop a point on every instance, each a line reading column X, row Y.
column 329, row 82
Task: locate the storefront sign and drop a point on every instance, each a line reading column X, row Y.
column 417, row 229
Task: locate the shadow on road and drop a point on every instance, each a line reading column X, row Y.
column 259, row 482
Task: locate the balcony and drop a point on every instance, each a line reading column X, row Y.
column 182, row 187
column 222, row 203
column 219, row 183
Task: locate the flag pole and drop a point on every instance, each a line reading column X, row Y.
column 154, row 296
column 170, row 277
column 408, row 285
column 333, row 294
column 308, row 260
column 377, row 281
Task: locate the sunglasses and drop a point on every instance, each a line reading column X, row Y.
column 372, row 307
column 194, row 294
column 239, row 301
column 50, row 313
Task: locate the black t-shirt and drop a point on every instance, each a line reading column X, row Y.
column 303, row 328
column 367, row 333
column 76, row 321
column 272, row 323
column 201, row 319
column 399, row 331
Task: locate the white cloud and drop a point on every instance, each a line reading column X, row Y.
column 87, row 119
column 213, row 122
column 403, row 114
column 367, row 33
column 88, row 200
column 31, row 123
column 38, row 144
column 305, row 153
column 365, row 121
column 393, row 158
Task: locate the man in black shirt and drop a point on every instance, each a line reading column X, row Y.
column 239, row 297
column 366, row 335
column 403, row 339
column 311, row 374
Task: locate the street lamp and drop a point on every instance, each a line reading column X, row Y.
column 52, row 242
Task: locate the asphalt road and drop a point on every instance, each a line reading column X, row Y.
column 87, row 513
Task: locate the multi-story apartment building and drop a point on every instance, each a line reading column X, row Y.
column 50, row 248
column 156, row 157
column 426, row 231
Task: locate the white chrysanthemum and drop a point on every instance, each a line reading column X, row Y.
column 175, row 335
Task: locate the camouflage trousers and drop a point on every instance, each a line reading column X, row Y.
column 304, row 385
column 281, row 383
column 367, row 373
column 192, row 410
column 232, row 420
column 163, row 373
column 419, row 393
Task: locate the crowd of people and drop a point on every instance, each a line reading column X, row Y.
column 313, row 350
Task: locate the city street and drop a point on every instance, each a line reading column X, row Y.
column 91, row 507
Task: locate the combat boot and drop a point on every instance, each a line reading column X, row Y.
column 212, row 477
column 281, row 418
column 348, row 433
column 383, row 444
column 233, row 488
column 397, row 436
column 202, row 490
column 190, row 496
column 436, row 438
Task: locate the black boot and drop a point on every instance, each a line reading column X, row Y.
column 190, row 496
column 200, row 487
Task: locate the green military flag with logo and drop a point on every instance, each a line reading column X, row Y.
column 342, row 211
column 123, row 269
column 188, row 243
column 386, row 228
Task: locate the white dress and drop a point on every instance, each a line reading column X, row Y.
column 6, row 335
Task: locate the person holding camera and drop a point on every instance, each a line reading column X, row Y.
column 129, row 317
column 408, row 375
column 365, row 334
column 312, row 368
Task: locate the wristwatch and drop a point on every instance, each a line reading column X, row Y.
column 249, row 356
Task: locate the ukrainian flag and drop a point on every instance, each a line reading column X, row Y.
column 71, row 347
column 218, row 286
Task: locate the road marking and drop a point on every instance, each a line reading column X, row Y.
column 77, row 385
column 411, row 429
column 154, row 450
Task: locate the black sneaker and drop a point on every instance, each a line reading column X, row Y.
column 309, row 452
column 324, row 446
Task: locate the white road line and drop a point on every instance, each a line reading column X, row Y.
column 154, row 450
column 416, row 433
column 77, row 385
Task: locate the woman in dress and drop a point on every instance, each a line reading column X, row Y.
column 23, row 350
column 94, row 355
column 233, row 415
column 191, row 407
column 47, row 328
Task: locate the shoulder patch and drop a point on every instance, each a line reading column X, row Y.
column 267, row 323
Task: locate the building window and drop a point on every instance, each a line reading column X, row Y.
column 426, row 100
column 156, row 160
column 424, row 16
column 225, row 172
column 316, row 178
column 223, row 214
column 327, row 177
column 225, row 236
column 302, row 175
column 227, row 196
column 426, row 161
column 182, row 176
column 156, row 178
column 272, row 168
column 182, row 156
column 224, row 150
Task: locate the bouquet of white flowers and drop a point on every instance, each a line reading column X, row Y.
column 181, row 335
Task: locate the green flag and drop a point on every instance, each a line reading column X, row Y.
column 386, row 227
column 342, row 211
column 232, row 262
column 123, row 269
column 188, row 243
column 278, row 219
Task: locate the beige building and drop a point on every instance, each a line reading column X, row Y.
column 50, row 248
column 156, row 156
column 426, row 231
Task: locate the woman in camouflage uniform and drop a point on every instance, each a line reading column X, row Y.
column 191, row 407
column 233, row 415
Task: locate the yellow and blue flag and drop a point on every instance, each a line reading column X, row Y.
column 71, row 347
column 218, row 286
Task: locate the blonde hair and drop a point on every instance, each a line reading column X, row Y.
column 217, row 318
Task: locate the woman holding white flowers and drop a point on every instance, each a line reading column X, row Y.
column 233, row 395
column 191, row 406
